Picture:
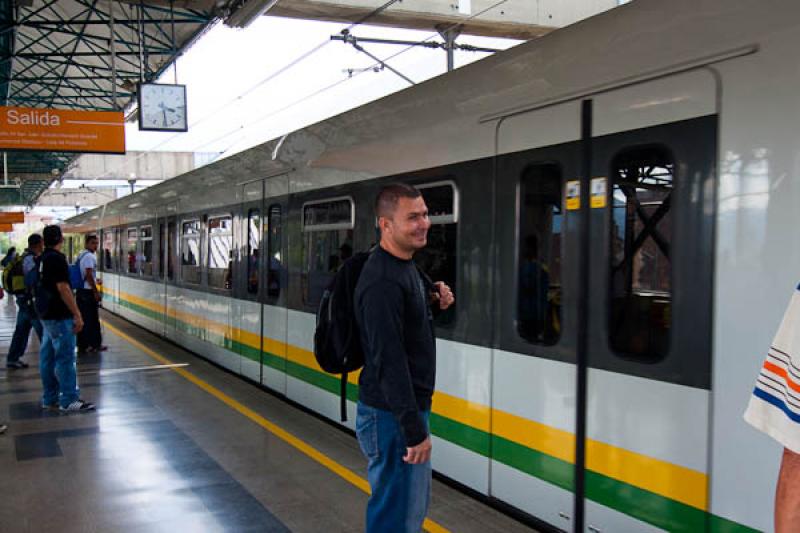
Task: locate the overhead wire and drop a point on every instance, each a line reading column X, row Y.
column 316, row 93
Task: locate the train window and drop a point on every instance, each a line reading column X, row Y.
column 144, row 258
column 274, row 245
column 253, row 245
column 438, row 258
column 171, row 238
column 327, row 243
column 539, row 254
column 132, row 235
column 108, row 250
column 162, row 240
column 220, row 252
column 641, row 237
column 190, row 252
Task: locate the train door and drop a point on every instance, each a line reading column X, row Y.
column 260, row 319
column 168, row 231
column 648, row 332
column 532, row 440
column 274, row 332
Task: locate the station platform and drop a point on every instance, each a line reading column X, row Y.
column 178, row 444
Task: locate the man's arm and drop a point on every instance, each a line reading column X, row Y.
column 88, row 275
column 382, row 306
column 65, row 292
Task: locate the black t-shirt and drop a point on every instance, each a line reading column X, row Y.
column 54, row 270
column 394, row 318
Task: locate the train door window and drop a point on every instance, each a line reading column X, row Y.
column 538, row 317
column 641, row 250
column 438, row 258
column 161, row 241
column 144, row 259
column 220, row 252
column 274, row 267
column 171, row 238
column 190, row 252
column 253, row 246
column 108, row 250
column 131, row 251
column 327, row 242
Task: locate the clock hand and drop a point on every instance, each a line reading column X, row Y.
column 164, row 112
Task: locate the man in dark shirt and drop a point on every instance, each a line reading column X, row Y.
column 393, row 312
column 61, row 320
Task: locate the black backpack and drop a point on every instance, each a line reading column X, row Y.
column 33, row 282
column 337, row 342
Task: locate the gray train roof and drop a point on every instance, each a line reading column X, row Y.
column 440, row 121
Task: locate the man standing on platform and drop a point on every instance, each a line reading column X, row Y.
column 89, row 297
column 394, row 316
column 61, row 320
column 26, row 315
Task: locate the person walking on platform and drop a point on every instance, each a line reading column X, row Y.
column 61, row 320
column 26, row 315
column 90, row 339
column 393, row 308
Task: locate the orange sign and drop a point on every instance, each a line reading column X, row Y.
column 6, row 227
column 60, row 130
column 11, row 217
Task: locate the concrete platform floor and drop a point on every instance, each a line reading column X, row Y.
column 164, row 453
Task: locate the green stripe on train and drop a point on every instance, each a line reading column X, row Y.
column 641, row 504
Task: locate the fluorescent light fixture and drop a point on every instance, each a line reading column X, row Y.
column 465, row 7
column 248, row 11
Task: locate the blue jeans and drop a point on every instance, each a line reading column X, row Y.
column 26, row 319
column 400, row 492
column 57, row 363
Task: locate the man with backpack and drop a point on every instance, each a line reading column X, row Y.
column 14, row 280
column 61, row 320
column 393, row 311
column 88, row 297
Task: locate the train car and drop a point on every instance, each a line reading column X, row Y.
column 614, row 205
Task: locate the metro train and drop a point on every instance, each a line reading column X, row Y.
column 614, row 205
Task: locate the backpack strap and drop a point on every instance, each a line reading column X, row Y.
column 343, row 398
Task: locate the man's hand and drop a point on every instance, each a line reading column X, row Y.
column 444, row 295
column 97, row 296
column 418, row 454
column 77, row 325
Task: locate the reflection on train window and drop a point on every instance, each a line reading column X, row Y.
column 190, row 252
column 438, row 258
column 641, row 239
column 144, row 259
column 171, row 237
column 131, row 250
column 327, row 243
column 539, row 254
column 220, row 252
column 108, row 250
column 275, row 266
column 253, row 243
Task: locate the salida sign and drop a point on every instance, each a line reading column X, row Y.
column 59, row 130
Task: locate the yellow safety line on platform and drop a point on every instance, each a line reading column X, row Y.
column 273, row 428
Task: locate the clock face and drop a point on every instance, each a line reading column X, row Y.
column 162, row 107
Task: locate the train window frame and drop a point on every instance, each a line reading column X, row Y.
column 128, row 231
column 328, row 227
column 140, row 250
column 444, row 219
column 250, row 265
column 307, row 229
column 207, row 263
column 183, row 237
column 518, row 252
column 666, row 152
column 172, row 238
column 108, row 264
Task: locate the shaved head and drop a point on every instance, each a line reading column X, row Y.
column 386, row 201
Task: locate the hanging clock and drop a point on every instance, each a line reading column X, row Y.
column 162, row 107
